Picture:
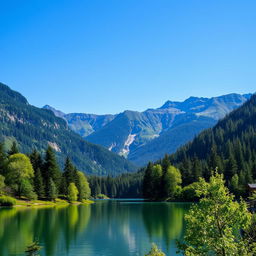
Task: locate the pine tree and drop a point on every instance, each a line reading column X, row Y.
column 36, row 160
column 51, row 192
column 3, row 160
column 51, row 170
column 38, row 184
column 147, row 182
column 69, row 175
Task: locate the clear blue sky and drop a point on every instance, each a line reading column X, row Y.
column 107, row 56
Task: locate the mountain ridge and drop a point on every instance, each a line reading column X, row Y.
column 148, row 135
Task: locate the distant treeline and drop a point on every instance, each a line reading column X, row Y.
column 127, row 185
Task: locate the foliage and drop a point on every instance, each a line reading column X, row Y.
column 3, row 160
column 214, row 225
column 155, row 251
column 161, row 181
column 84, row 191
column 39, row 183
column 2, row 184
column 171, row 182
column 7, row 201
column 20, row 173
column 26, row 189
column 189, row 192
column 72, row 192
column 68, row 176
column 152, row 182
column 101, row 196
column 14, row 149
column 127, row 185
column 52, row 191
column 51, row 168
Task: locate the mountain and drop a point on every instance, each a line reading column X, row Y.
column 147, row 136
column 230, row 145
column 36, row 128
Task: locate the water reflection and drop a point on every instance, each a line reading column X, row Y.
column 20, row 227
column 105, row 228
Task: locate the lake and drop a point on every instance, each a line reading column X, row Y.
column 106, row 228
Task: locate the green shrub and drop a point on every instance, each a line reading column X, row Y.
column 7, row 201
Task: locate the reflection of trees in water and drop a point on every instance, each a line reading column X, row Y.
column 20, row 227
column 164, row 220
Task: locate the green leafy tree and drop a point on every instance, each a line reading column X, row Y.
column 26, row 189
column 72, row 192
column 20, row 170
column 172, row 180
column 84, row 191
column 214, row 225
column 155, row 251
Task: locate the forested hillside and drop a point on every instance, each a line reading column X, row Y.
column 230, row 146
column 35, row 128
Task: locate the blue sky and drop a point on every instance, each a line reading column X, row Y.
column 107, row 56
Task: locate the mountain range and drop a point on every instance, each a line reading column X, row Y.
column 149, row 135
column 36, row 128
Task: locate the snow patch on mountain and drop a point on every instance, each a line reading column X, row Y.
column 126, row 149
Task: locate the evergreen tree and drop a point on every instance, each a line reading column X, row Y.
column 36, row 160
column 51, row 170
column 2, row 184
column 51, row 192
column 234, row 185
column 231, row 167
column 3, row 160
column 165, row 163
column 147, row 182
column 38, row 184
column 69, row 176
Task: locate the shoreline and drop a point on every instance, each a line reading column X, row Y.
column 42, row 203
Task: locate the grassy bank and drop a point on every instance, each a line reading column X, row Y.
column 45, row 203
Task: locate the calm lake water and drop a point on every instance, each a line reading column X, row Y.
column 106, row 228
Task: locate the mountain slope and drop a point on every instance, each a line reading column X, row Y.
column 148, row 135
column 230, row 146
column 36, row 128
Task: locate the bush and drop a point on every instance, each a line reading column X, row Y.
column 7, row 201
column 155, row 251
column 102, row 196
